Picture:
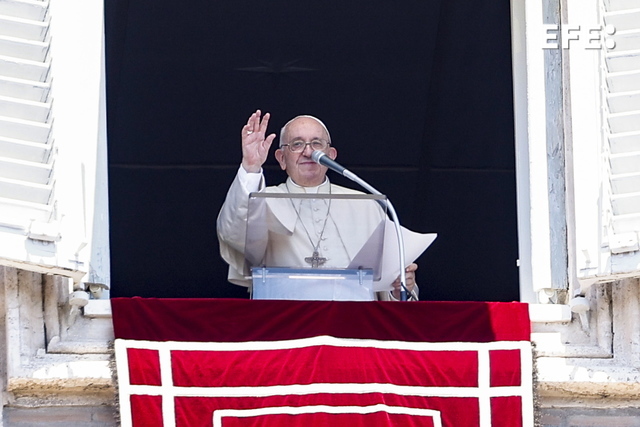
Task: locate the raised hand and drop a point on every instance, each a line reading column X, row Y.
column 255, row 146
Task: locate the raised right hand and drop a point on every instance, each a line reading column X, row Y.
column 255, row 147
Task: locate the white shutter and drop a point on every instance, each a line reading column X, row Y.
column 622, row 110
column 52, row 165
column 26, row 184
column 622, row 135
column 606, row 149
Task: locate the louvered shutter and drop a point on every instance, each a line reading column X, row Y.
column 26, row 160
column 614, row 184
column 622, row 95
column 52, row 184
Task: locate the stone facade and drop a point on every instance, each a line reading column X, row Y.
column 55, row 367
column 56, row 355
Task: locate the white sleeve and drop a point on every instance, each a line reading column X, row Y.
column 232, row 219
column 250, row 182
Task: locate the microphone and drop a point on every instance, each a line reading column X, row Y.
column 321, row 158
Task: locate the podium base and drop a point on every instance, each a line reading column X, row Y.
column 313, row 284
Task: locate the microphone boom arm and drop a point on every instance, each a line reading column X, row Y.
column 322, row 159
column 394, row 216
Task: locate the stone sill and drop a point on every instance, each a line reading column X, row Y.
column 596, row 378
column 620, row 393
column 98, row 308
column 56, row 379
column 549, row 313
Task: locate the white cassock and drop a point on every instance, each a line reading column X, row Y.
column 297, row 228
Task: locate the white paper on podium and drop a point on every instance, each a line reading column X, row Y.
column 414, row 245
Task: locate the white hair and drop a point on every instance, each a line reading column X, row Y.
column 304, row 116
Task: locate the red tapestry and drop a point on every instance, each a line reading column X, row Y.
column 228, row 363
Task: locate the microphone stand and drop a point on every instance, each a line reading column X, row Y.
column 322, row 159
column 403, row 275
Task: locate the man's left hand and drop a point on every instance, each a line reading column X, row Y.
column 411, row 281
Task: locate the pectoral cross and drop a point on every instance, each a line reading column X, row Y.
column 315, row 260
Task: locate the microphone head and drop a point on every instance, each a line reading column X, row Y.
column 317, row 155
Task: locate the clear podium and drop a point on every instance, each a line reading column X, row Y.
column 303, row 246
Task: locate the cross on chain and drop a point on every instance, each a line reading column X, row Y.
column 315, row 260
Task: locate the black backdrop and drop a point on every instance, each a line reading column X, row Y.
column 417, row 95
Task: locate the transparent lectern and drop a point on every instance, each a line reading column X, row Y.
column 315, row 246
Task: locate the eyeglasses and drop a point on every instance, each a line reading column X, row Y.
column 298, row 146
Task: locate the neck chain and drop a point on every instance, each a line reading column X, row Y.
column 315, row 259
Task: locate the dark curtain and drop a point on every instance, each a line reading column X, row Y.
column 417, row 96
